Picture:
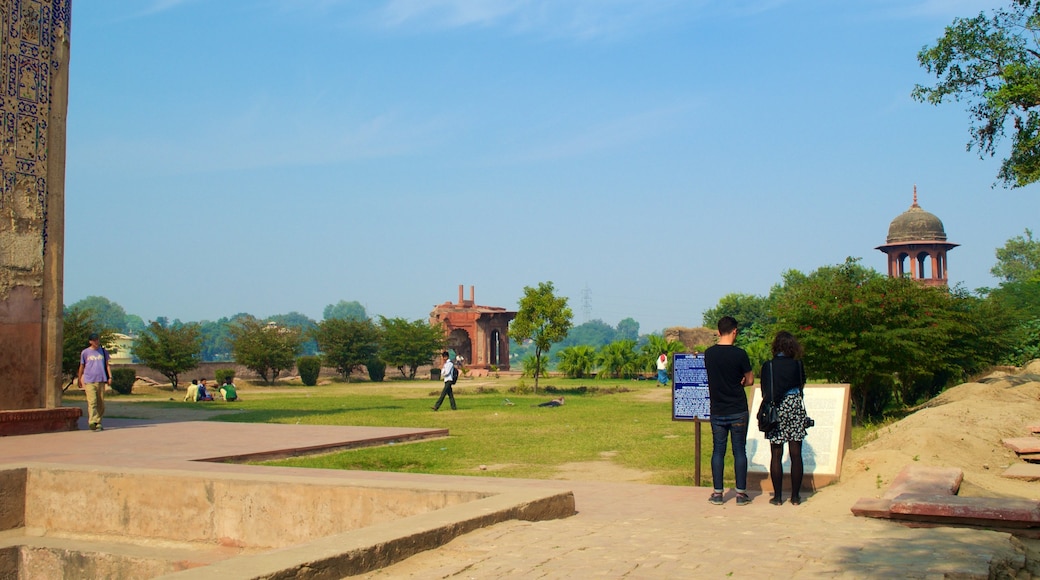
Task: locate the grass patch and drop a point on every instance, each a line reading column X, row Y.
column 626, row 422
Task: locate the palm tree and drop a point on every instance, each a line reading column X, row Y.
column 618, row 359
column 577, row 362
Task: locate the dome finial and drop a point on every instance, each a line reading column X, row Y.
column 915, row 196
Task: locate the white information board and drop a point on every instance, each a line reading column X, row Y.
column 824, row 445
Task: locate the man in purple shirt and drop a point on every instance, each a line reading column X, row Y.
column 94, row 375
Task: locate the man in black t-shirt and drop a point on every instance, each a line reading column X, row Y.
column 729, row 372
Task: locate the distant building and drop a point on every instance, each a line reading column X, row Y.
column 917, row 238
column 123, row 353
column 479, row 333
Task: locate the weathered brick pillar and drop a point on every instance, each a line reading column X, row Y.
column 34, row 83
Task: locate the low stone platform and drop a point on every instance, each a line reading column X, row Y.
column 927, row 495
column 33, row 421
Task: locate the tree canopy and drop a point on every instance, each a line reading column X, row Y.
column 170, row 349
column 344, row 310
column 347, row 344
column 265, row 348
column 543, row 318
column 108, row 314
column 1019, row 259
column 409, row 345
column 887, row 337
column 993, row 63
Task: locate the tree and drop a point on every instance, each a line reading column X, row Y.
column 344, row 310
column 77, row 326
column 304, row 323
column 1019, row 259
column 105, row 313
column 994, row 64
column 618, row 359
column 889, row 338
column 346, row 343
column 264, row 348
column 170, row 349
column 751, row 312
column 627, row 329
column 577, row 362
column 216, row 340
column 595, row 333
column 409, row 345
column 543, row 318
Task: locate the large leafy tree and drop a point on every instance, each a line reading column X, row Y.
column 347, row 344
column 264, row 347
column 543, row 318
column 409, row 345
column 889, row 338
column 1019, row 259
column 104, row 312
column 170, row 349
column 628, row 329
column 77, row 326
column 344, row 310
column 993, row 63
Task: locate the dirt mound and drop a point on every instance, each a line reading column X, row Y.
column 963, row 427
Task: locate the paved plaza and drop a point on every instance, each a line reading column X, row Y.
column 621, row 530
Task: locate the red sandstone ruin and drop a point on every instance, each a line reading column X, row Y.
column 479, row 333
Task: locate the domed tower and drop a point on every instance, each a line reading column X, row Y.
column 918, row 235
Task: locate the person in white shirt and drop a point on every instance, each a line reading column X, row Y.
column 447, row 376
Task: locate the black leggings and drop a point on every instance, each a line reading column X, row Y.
column 776, row 468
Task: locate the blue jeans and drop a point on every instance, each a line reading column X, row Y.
column 735, row 427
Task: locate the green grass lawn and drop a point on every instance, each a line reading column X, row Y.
column 626, row 422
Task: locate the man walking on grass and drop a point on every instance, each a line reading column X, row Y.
column 447, row 373
column 729, row 372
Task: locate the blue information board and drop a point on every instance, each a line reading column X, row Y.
column 689, row 388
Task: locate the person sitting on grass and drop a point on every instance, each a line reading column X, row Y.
column 203, row 393
column 193, row 391
column 227, row 390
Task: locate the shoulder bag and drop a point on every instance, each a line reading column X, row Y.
column 768, row 415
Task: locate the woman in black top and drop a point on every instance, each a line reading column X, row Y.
column 783, row 381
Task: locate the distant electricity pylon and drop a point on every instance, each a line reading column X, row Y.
column 586, row 303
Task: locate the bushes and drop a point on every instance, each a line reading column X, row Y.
column 123, row 380
column 310, row 368
column 221, row 374
column 376, row 370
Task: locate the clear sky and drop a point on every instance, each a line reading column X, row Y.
column 269, row 156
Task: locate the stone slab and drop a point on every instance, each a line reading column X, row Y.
column 872, row 507
column 1023, row 444
column 974, row 511
column 1026, row 471
column 1033, row 428
column 925, row 480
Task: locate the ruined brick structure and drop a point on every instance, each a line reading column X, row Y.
column 34, row 74
column 478, row 333
column 918, row 237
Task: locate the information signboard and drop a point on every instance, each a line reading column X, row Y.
column 824, row 445
column 689, row 388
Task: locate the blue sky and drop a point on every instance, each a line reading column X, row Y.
column 268, row 156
